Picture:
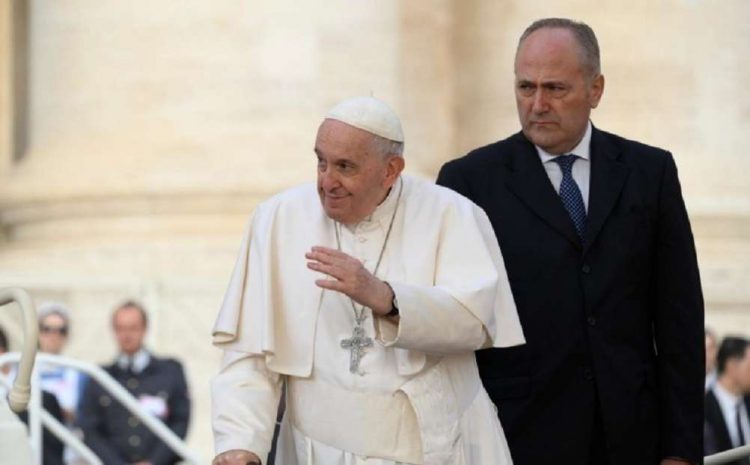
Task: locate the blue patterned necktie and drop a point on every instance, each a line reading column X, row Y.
column 570, row 194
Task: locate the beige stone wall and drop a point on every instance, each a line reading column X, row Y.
column 155, row 127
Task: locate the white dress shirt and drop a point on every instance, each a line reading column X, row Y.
column 729, row 403
column 581, row 168
column 137, row 362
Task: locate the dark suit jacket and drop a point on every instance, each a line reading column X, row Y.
column 114, row 434
column 715, row 429
column 614, row 327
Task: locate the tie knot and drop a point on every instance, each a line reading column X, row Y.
column 565, row 162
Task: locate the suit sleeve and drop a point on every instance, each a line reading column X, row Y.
column 678, row 325
column 91, row 421
column 245, row 399
column 179, row 416
column 450, row 177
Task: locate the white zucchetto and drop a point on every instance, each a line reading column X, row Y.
column 369, row 114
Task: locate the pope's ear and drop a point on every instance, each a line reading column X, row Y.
column 394, row 168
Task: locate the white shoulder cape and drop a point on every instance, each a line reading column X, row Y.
column 440, row 240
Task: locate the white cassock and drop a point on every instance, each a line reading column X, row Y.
column 417, row 398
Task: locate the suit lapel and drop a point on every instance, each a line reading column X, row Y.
column 715, row 419
column 530, row 183
column 608, row 176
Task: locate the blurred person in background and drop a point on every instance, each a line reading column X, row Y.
column 712, row 346
column 726, row 423
column 65, row 383
column 52, row 448
column 6, row 368
column 159, row 385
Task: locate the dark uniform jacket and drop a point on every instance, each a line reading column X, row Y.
column 118, row 437
column 613, row 324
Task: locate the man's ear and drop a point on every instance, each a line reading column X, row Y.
column 394, row 166
column 597, row 89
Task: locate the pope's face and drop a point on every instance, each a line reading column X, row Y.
column 554, row 93
column 353, row 178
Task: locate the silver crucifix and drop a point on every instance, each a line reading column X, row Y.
column 356, row 346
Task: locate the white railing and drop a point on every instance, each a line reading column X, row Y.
column 728, row 456
column 59, row 430
column 20, row 393
column 97, row 374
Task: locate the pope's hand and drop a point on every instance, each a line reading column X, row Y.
column 236, row 457
column 350, row 277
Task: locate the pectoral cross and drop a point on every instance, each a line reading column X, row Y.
column 356, row 346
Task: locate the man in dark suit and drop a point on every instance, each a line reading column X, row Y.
column 110, row 430
column 726, row 417
column 601, row 261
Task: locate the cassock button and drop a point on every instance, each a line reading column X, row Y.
column 588, row 374
column 133, row 422
column 134, row 441
column 591, row 320
column 132, row 383
column 586, row 269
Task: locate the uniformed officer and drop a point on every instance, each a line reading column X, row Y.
column 111, row 431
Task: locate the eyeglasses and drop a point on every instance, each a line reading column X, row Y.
column 61, row 330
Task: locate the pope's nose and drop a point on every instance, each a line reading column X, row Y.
column 328, row 181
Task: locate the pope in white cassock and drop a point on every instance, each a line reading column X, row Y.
column 368, row 295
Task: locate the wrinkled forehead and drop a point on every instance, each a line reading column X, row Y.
column 549, row 49
column 338, row 138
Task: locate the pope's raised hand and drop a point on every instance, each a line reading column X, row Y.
column 236, row 457
column 350, row 277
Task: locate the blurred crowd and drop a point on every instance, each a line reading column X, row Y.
column 119, row 437
column 726, row 419
column 111, row 431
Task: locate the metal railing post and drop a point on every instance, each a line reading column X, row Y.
column 97, row 374
column 21, row 393
column 728, row 456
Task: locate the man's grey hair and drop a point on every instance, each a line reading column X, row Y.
column 385, row 147
column 584, row 35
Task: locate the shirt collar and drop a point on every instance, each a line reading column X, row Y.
column 582, row 150
column 726, row 399
column 139, row 360
column 384, row 211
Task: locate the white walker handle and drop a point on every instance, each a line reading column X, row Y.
column 20, row 394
